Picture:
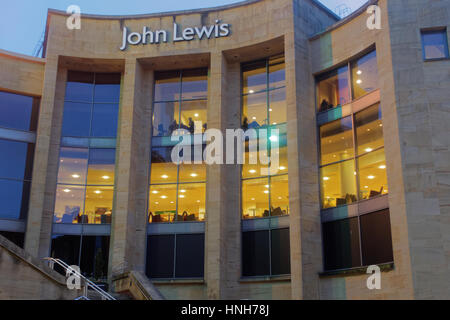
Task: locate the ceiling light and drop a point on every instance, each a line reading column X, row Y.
column 76, row 176
column 366, row 187
column 97, row 191
column 382, row 167
column 266, row 186
column 282, row 168
column 371, row 177
column 252, row 171
column 156, row 202
column 326, row 178
column 164, row 176
column 368, row 149
column 182, row 191
column 273, row 138
column 163, row 197
column 254, row 118
column 171, row 201
column 251, row 91
column 154, row 192
column 196, row 115
column 279, row 198
column 66, row 190
column 359, row 81
column 198, row 201
column 253, row 199
column 105, row 177
column 194, row 175
column 266, row 191
column 270, row 110
column 359, row 72
column 181, row 196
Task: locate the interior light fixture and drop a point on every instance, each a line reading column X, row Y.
column 76, row 176
column 164, row 176
column 371, row 177
column 66, row 190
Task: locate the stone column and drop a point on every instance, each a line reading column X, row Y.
column 45, row 167
column 128, row 229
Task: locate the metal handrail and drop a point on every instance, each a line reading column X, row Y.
column 89, row 284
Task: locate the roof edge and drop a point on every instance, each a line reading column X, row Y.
column 20, row 56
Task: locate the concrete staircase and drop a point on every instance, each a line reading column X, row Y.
column 136, row 286
column 24, row 277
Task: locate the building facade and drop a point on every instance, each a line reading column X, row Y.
column 362, row 113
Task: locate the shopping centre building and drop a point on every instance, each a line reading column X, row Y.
column 363, row 177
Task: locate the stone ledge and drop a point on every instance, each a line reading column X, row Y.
column 265, row 279
column 385, row 267
column 178, row 281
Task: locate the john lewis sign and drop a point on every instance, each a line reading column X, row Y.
column 148, row 36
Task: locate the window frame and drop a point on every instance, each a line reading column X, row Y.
column 426, row 31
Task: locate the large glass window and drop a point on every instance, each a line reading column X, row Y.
column 18, row 111
column 358, row 241
column 180, row 100
column 175, row 256
column 265, row 192
column 85, row 186
column 91, row 105
column 16, row 163
column 266, row 253
column 435, row 44
column 336, row 87
column 353, row 172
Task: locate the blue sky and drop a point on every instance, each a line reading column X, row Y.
column 22, row 22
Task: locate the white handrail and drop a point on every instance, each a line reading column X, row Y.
column 89, row 283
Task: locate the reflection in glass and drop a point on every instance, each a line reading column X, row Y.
column 255, row 198
column 76, row 119
column 101, row 166
column 372, row 174
column 16, row 159
column 162, row 203
column 254, row 111
column 193, row 111
column 277, row 74
column 333, row 89
column 107, row 87
column 279, row 195
column 369, row 129
column 364, row 75
column 338, row 184
column 195, row 84
column 79, row 86
column 336, row 141
column 191, row 202
column 72, row 165
column 98, row 204
column 167, row 86
column 69, row 204
column 254, row 76
column 17, row 112
column 166, row 117
column 104, row 120
column 435, row 44
column 14, row 197
column 277, row 106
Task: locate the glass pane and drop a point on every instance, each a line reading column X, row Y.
column 254, row 110
column 94, row 257
column 376, row 241
column 254, row 76
column 255, row 253
column 369, row 129
column 336, row 141
column 80, row 86
column 191, row 202
column 66, row 248
column 192, row 172
column 14, row 197
column 333, row 89
column 193, row 111
column 253, row 166
column 435, row 44
column 280, row 253
column 279, row 195
column 195, row 84
column 163, row 170
column 364, row 75
column 73, row 164
column 16, row 159
column 101, row 166
column 372, row 174
column 16, row 111
column 282, row 154
column 98, row 205
column 166, row 118
column 162, row 203
column 341, row 244
column 277, row 75
column 167, row 86
column 190, row 255
column 18, row 238
column 277, row 106
column 69, row 204
column 76, row 119
column 104, row 120
column 338, row 184
column 160, row 256
column 255, row 198
column 107, row 87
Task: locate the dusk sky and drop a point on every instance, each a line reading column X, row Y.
column 22, row 22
